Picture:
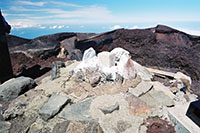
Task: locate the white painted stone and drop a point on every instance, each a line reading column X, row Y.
column 88, row 54
column 126, row 68
column 119, row 52
column 107, row 59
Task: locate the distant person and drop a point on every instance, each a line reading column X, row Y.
column 5, row 63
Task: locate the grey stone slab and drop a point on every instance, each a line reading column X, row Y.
column 141, row 88
column 161, row 98
column 78, row 111
column 53, row 105
column 61, row 127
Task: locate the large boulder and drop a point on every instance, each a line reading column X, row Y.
column 15, row 87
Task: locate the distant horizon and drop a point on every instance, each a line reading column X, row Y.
column 33, row 18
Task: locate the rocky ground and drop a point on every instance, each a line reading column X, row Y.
column 108, row 92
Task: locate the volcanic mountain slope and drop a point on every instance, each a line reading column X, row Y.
column 32, row 55
column 161, row 47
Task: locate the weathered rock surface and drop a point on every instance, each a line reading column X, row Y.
column 142, row 71
column 18, row 106
column 35, row 128
column 61, row 127
column 53, row 105
column 77, row 112
column 4, row 127
column 137, row 106
column 84, row 127
column 108, row 110
column 156, row 98
column 141, row 88
column 15, row 87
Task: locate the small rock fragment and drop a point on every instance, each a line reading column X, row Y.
column 109, row 110
column 55, row 73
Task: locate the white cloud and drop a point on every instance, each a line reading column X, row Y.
column 189, row 31
column 30, row 3
column 134, row 27
column 76, row 14
column 58, row 27
column 53, row 27
column 115, row 27
column 85, row 14
column 42, row 27
column 67, row 27
column 61, row 26
column 64, row 4
column 22, row 23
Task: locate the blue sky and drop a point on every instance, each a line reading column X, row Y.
column 32, row 18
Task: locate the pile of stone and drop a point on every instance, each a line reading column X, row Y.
column 111, row 66
column 105, row 92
